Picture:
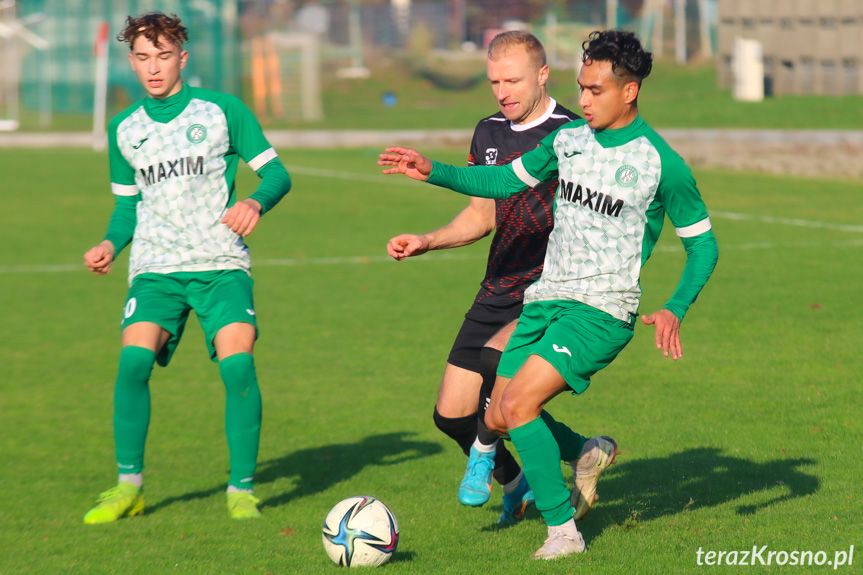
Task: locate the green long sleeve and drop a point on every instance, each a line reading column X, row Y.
column 124, row 218
column 480, row 181
column 702, row 253
column 275, row 183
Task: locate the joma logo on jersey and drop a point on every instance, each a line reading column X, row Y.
column 596, row 201
column 182, row 167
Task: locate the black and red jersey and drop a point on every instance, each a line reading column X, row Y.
column 522, row 222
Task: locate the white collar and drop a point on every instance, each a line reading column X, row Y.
column 523, row 127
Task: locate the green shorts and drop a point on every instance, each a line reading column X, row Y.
column 219, row 298
column 578, row 340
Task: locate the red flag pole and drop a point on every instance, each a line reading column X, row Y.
column 100, row 99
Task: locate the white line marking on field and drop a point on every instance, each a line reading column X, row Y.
column 354, row 260
column 394, row 179
column 262, row 262
column 339, row 175
column 327, row 173
column 788, row 221
column 723, row 246
column 358, row 260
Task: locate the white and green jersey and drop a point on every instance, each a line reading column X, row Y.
column 179, row 156
column 615, row 187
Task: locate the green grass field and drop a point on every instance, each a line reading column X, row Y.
column 673, row 96
column 753, row 438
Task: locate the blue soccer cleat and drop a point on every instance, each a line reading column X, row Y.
column 475, row 488
column 516, row 503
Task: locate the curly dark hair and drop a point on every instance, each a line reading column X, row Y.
column 628, row 58
column 154, row 25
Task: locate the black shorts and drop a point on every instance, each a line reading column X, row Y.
column 481, row 322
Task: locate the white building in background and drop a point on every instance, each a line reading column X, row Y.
column 808, row 46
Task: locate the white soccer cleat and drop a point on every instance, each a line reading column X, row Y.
column 596, row 455
column 562, row 540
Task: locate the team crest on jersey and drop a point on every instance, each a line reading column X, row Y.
column 196, row 133
column 490, row 156
column 626, row 176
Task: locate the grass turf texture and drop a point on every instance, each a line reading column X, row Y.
column 751, row 439
column 673, row 96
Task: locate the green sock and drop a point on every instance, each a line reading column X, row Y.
column 569, row 442
column 132, row 407
column 540, row 461
column 242, row 417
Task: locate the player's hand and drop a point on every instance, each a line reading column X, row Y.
column 667, row 332
column 99, row 258
column 406, row 161
column 243, row 216
column 407, row 245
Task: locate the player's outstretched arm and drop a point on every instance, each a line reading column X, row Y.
column 667, row 332
column 471, row 224
column 243, row 216
column 477, row 181
column 406, row 161
column 99, row 258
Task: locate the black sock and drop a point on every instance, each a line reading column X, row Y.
column 461, row 429
column 489, row 358
column 506, row 468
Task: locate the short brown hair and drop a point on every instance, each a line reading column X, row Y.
column 154, row 25
column 528, row 41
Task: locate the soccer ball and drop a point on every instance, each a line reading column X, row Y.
column 360, row 531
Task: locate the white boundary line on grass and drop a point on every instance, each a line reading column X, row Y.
column 788, row 221
column 327, row 173
column 355, row 260
column 337, row 174
column 340, row 175
column 262, row 262
column 274, row 262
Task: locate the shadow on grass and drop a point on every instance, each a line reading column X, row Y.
column 403, row 557
column 647, row 489
column 318, row 468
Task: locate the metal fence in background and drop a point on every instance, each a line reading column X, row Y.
column 70, row 26
column 60, row 76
